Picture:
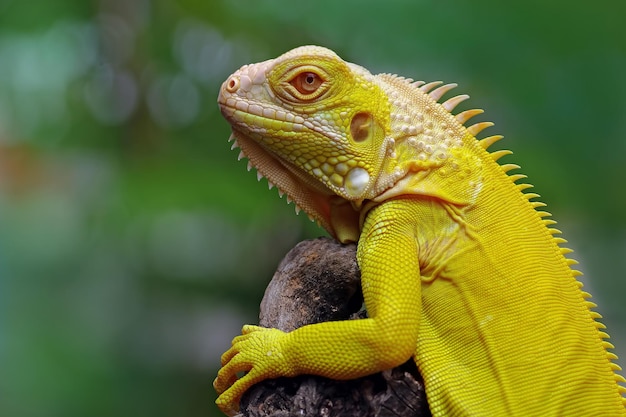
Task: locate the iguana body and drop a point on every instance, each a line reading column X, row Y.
column 459, row 268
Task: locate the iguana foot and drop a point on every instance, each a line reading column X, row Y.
column 258, row 352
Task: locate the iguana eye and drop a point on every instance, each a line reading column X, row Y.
column 300, row 84
column 306, row 83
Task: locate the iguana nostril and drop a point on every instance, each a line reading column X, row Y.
column 232, row 85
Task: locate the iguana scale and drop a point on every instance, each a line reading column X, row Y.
column 461, row 269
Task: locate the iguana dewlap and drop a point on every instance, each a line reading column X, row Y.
column 459, row 268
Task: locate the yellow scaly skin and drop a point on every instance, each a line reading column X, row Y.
column 459, row 269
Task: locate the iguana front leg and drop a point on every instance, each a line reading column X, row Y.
column 343, row 349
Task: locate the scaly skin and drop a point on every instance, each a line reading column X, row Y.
column 459, row 268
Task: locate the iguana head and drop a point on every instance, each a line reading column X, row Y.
column 332, row 136
column 314, row 125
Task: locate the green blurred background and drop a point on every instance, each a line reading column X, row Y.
column 133, row 245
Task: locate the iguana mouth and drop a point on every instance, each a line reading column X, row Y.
column 238, row 112
column 267, row 114
column 260, row 124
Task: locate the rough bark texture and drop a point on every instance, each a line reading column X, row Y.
column 319, row 280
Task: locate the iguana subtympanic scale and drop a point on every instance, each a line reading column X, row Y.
column 460, row 267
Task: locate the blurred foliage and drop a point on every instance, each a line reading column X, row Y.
column 133, row 244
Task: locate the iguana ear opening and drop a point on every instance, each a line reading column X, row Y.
column 362, row 126
column 366, row 135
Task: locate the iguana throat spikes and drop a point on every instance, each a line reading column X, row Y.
column 296, row 120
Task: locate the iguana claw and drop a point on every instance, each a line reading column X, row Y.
column 258, row 352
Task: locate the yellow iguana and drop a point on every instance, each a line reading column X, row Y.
column 459, row 267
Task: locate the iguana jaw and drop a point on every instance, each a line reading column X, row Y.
column 250, row 127
column 307, row 195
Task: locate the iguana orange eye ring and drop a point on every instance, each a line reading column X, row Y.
column 306, row 82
